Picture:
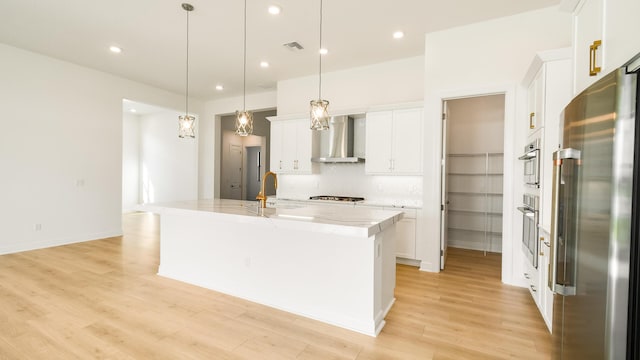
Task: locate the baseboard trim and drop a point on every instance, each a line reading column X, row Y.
column 42, row 244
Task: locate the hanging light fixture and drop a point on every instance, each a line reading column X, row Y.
column 244, row 119
column 319, row 113
column 186, row 122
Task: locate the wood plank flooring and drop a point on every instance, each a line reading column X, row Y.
column 103, row 300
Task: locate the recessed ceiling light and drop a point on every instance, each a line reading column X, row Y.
column 115, row 49
column 398, row 35
column 264, row 64
column 219, row 87
column 324, row 51
column 274, row 10
column 132, row 110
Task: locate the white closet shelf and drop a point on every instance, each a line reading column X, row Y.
column 474, row 193
column 476, row 174
column 476, row 231
column 490, row 213
column 479, row 227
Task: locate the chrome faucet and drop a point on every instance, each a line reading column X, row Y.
column 261, row 195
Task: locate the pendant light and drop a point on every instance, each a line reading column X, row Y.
column 319, row 113
column 244, row 119
column 186, row 122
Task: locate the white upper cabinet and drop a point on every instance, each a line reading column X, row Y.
column 535, row 102
column 621, row 31
column 291, row 147
column 588, row 47
column 604, row 37
column 394, row 142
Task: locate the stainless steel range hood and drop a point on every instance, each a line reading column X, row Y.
column 336, row 144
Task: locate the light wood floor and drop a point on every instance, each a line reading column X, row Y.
column 102, row 299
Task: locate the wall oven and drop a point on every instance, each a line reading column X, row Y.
column 529, row 209
column 531, row 160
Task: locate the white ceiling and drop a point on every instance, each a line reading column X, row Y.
column 152, row 36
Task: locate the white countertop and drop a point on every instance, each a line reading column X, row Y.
column 343, row 220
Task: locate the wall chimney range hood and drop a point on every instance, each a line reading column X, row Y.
column 336, row 144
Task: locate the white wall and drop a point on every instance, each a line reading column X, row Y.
column 61, row 149
column 168, row 164
column 487, row 57
column 476, row 125
column 385, row 83
column 130, row 162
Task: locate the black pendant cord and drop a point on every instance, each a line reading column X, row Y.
column 320, row 62
column 244, row 61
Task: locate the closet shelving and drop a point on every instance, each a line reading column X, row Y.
column 474, row 190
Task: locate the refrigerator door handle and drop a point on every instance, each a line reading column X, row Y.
column 558, row 243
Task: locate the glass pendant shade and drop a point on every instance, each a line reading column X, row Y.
column 244, row 123
column 186, row 126
column 319, row 114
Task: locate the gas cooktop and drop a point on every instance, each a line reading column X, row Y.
column 336, row 198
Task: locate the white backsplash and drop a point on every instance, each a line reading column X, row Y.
column 350, row 180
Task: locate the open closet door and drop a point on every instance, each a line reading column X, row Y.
column 444, row 198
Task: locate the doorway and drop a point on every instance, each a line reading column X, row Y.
column 472, row 174
column 243, row 159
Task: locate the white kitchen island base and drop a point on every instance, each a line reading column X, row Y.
column 312, row 262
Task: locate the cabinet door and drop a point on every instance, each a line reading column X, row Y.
column 406, row 238
column 378, row 142
column 289, row 144
column 531, row 106
column 302, row 162
column 277, row 128
column 587, row 29
column 621, row 29
column 546, row 295
column 406, row 152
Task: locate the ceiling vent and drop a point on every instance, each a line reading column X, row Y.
column 293, row 46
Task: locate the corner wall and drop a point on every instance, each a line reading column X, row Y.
column 61, row 149
column 487, row 57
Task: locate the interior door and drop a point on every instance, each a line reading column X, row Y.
column 235, row 174
column 444, row 199
column 254, row 172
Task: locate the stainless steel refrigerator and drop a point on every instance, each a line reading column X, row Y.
column 594, row 266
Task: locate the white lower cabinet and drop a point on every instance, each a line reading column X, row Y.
column 546, row 295
column 406, row 234
column 532, row 276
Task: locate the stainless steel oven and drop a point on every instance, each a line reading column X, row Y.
column 530, row 210
column 531, row 158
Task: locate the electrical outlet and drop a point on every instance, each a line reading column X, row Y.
column 37, row 227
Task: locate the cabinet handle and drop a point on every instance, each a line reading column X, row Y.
column 295, row 164
column 280, row 164
column 542, row 241
column 531, row 124
column 533, row 288
column 390, row 165
column 593, row 49
column 526, row 276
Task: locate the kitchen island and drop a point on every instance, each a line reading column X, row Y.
column 332, row 264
